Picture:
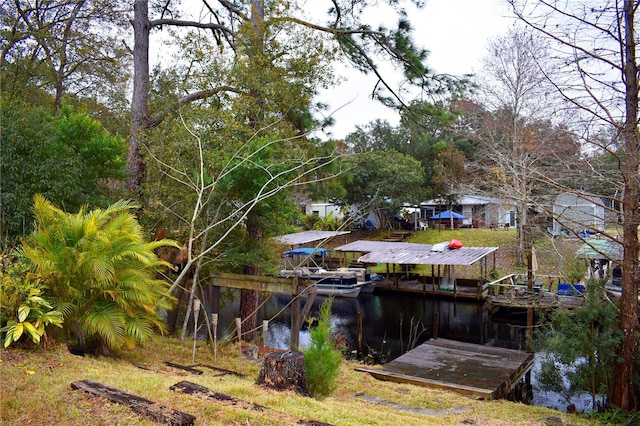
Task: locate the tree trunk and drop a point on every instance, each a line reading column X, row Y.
column 622, row 392
column 284, row 371
column 140, row 122
column 248, row 305
column 249, row 298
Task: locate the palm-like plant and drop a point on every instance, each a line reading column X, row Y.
column 101, row 272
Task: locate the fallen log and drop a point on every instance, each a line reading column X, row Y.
column 221, row 370
column 143, row 406
column 184, row 367
column 194, row 388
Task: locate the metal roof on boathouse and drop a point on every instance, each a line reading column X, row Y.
column 415, row 254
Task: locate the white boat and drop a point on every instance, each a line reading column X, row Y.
column 365, row 280
column 337, row 286
column 342, row 282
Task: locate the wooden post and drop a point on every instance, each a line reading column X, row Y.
column 239, row 329
column 295, row 323
column 359, row 321
column 265, row 328
column 529, row 327
column 196, row 314
column 395, row 277
column 436, row 324
column 214, row 325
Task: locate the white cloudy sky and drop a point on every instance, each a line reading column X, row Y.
column 455, row 32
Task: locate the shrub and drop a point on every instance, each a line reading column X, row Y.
column 579, row 345
column 322, row 357
column 23, row 310
column 101, row 272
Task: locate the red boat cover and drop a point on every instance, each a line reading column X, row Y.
column 455, row 244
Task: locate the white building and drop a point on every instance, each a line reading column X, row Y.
column 482, row 211
column 578, row 212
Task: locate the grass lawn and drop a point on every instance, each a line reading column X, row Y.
column 36, row 391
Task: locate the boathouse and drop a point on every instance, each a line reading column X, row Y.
column 400, row 257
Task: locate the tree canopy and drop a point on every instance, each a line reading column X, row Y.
column 68, row 158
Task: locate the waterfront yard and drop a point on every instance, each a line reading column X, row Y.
column 36, row 390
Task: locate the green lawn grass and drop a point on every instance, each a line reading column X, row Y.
column 36, row 390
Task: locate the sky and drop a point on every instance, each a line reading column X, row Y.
column 455, row 32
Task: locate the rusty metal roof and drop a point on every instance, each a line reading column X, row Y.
column 308, row 236
column 415, row 254
column 365, row 246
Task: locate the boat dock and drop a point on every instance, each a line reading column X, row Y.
column 473, row 290
column 512, row 291
column 484, row 371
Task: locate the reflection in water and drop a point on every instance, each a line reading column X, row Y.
column 387, row 320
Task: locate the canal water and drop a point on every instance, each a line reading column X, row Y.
column 394, row 323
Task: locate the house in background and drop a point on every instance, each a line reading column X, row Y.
column 322, row 210
column 578, row 213
column 482, row 211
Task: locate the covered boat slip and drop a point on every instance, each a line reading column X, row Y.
column 442, row 281
column 485, row 371
column 309, row 263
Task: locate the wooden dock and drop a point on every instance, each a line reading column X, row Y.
column 478, row 292
column 534, row 300
column 484, row 371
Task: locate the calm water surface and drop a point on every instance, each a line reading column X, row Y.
column 394, row 323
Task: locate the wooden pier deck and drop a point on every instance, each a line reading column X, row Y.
column 484, row 371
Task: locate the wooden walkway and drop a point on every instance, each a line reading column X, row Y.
column 484, row 371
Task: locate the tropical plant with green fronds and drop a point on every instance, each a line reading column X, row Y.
column 24, row 312
column 327, row 223
column 101, row 273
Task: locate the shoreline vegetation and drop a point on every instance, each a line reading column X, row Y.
column 36, row 382
column 36, row 389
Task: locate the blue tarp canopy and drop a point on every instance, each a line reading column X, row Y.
column 305, row 251
column 447, row 214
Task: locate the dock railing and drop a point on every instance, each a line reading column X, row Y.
column 516, row 285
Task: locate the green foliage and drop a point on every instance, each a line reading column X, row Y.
column 380, row 181
column 322, row 358
column 579, row 344
column 24, row 312
column 327, row 223
column 65, row 157
column 101, row 273
column 574, row 270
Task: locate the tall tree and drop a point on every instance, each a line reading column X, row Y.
column 360, row 44
column 598, row 74
column 517, row 130
column 64, row 47
column 244, row 28
column 253, row 148
column 381, row 182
